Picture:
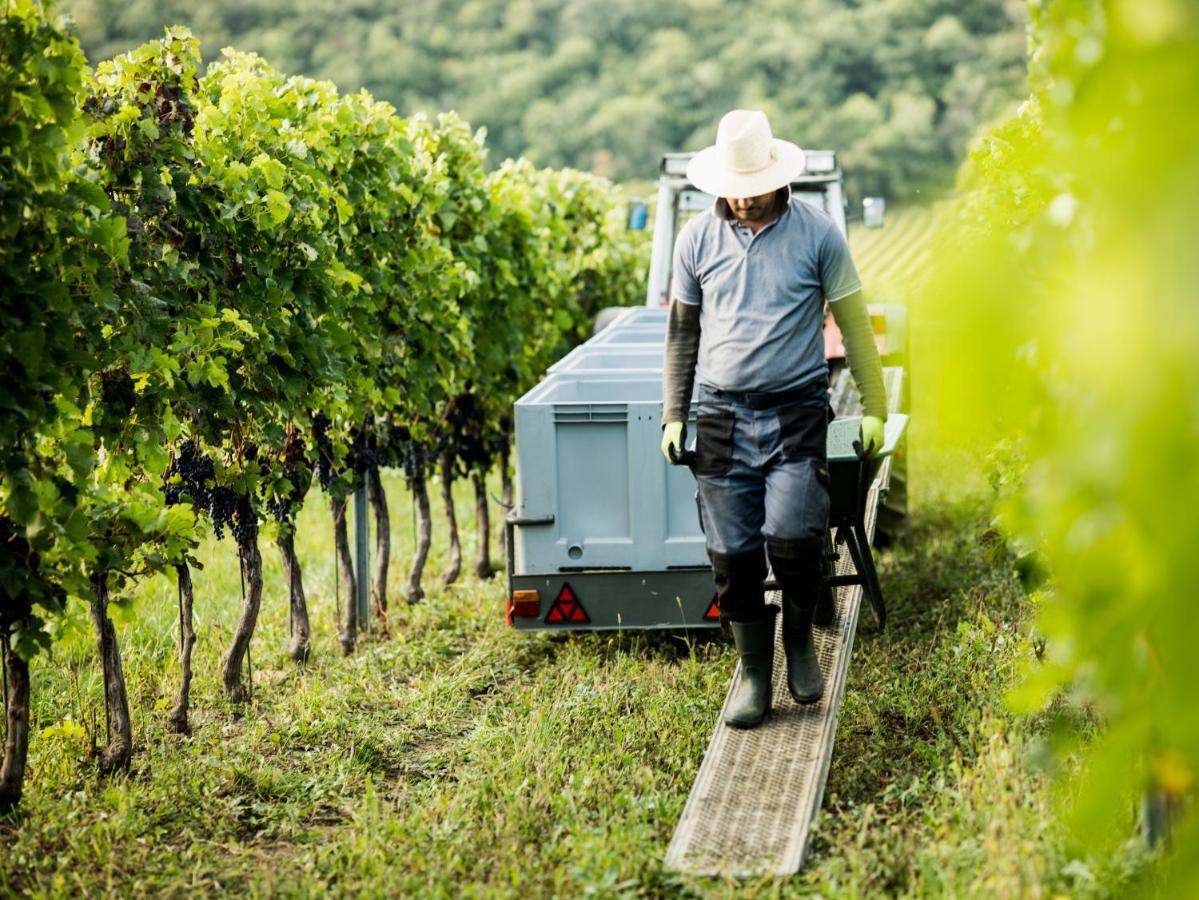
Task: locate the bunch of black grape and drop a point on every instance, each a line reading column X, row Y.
column 191, row 476
column 324, row 450
column 283, row 505
column 465, row 434
column 397, row 449
column 370, row 447
column 244, row 520
column 367, row 451
column 21, row 585
column 117, row 398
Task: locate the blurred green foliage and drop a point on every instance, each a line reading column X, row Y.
column 898, row 86
column 1067, row 323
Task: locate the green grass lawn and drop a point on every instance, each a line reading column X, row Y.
column 459, row 757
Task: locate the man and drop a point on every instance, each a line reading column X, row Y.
column 750, row 279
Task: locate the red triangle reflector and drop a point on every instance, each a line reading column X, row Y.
column 567, row 609
column 713, row 613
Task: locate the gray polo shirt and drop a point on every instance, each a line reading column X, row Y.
column 761, row 296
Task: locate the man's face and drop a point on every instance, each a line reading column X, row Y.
column 751, row 209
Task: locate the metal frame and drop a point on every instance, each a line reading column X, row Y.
column 850, row 529
column 362, row 557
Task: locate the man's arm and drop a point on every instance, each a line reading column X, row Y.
column 849, row 312
column 682, row 343
column 678, row 366
column 843, row 290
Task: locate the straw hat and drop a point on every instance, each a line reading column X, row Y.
column 746, row 160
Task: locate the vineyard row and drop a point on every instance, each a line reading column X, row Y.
column 221, row 286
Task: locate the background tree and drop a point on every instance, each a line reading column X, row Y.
column 609, row 86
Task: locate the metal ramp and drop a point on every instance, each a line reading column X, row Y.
column 758, row 791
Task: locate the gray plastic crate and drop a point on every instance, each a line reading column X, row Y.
column 588, row 360
column 637, row 335
column 644, row 315
column 589, row 470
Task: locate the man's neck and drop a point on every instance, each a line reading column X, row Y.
column 757, row 225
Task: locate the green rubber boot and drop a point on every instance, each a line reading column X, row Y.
column 804, row 680
column 798, row 569
column 755, row 644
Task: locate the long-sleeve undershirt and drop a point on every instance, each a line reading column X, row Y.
column 678, row 367
column 861, row 353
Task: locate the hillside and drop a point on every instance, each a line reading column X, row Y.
column 898, row 86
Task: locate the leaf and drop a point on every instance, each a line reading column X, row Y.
column 171, row 426
column 273, row 171
column 22, row 500
column 111, row 235
column 80, row 452
column 278, row 205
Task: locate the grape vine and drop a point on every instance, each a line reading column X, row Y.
column 228, row 283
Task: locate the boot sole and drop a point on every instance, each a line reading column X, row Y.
column 745, row 726
column 749, row 724
column 805, row 701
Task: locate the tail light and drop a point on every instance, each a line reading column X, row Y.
column 524, row 605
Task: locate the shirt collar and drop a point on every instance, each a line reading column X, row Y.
column 721, row 206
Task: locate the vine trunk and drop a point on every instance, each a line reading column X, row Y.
column 482, row 526
column 347, row 628
column 378, row 501
column 16, row 744
column 177, row 720
column 454, row 567
column 505, row 492
column 299, row 645
column 237, row 689
column 424, row 535
column 117, row 754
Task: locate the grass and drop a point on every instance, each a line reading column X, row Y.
column 460, row 758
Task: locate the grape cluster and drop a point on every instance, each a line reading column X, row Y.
column 298, row 472
column 468, row 436
column 283, row 506
column 244, row 522
column 23, row 585
column 117, row 395
column 324, row 450
column 190, row 477
column 397, row 449
column 367, row 451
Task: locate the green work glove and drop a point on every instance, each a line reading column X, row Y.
column 873, row 435
column 672, row 436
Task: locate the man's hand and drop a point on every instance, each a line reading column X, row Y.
column 672, row 437
column 873, row 435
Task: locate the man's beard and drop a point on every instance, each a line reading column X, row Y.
column 758, row 212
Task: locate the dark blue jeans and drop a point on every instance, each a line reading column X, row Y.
column 762, row 472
